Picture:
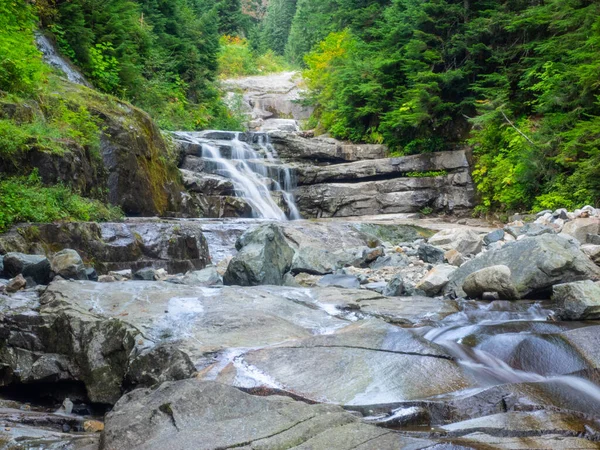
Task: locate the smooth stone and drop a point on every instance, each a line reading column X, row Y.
column 393, row 260
column 454, row 258
column 580, row 228
column 147, row 274
column 16, row 284
column 491, row 279
column 593, row 251
column 208, row 416
column 204, row 277
column 395, row 287
column 68, row 264
column 341, row 281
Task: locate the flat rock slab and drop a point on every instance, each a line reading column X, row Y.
column 201, row 320
column 207, row 415
column 367, row 363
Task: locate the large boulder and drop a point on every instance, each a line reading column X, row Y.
column 68, row 264
column 491, row 279
column 536, row 264
column 207, row 415
column 204, row 277
column 578, row 301
column 582, row 227
column 465, row 241
column 264, row 257
column 36, row 267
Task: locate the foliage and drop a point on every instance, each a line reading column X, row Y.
column 236, row 59
column 276, row 26
column 25, row 199
column 21, row 68
column 516, row 80
column 428, row 174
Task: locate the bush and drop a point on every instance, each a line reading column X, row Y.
column 25, row 199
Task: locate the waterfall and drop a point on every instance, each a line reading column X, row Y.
column 54, row 59
column 255, row 172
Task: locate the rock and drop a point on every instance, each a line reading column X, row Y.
column 106, row 279
column 454, row 258
column 16, row 284
column 1, row 265
column 121, row 275
column 205, row 277
column 159, row 364
column 491, row 279
column 135, row 244
column 530, row 229
column 341, row 281
column 578, row 301
column 395, row 287
column 323, row 261
column 580, row 228
column 68, row 264
column 147, row 274
column 304, row 279
column 207, row 415
column 207, row 184
column 466, row 242
column 35, row 267
column 593, row 239
column 436, row 279
column 393, row 260
column 494, row 236
column 93, row 426
column 431, row 254
column 292, row 147
column 536, row 264
column 91, row 274
column 264, row 257
column 593, row 251
column 382, row 364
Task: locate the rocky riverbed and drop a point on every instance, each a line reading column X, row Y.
column 381, row 332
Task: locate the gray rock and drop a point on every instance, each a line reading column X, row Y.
column 91, row 274
column 264, row 257
column 382, row 363
column 431, row 254
column 378, row 286
column 16, row 284
column 147, row 274
column 395, row 287
column 580, row 228
column 530, row 229
column 322, row 260
column 292, row 147
column 435, row 280
column 68, row 264
column 536, row 264
column 578, row 301
column 135, row 244
column 207, row 184
column 159, row 364
column 593, row 239
column 593, row 251
column 454, row 257
column 205, row 277
column 1, row 265
column 491, row 279
column 393, row 260
column 494, row 236
column 206, row 415
column 341, row 281
column 35, row 267
column 560, row 214
column 465, row 241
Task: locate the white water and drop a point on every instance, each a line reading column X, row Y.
column 252, row 179
column 53, row 58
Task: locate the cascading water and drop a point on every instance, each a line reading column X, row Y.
column 257, row 175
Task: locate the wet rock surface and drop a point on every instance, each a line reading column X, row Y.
column 348, row 353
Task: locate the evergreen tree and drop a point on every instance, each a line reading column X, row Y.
column 277, row 24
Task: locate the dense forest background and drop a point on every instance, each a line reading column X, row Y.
column 516, row 80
